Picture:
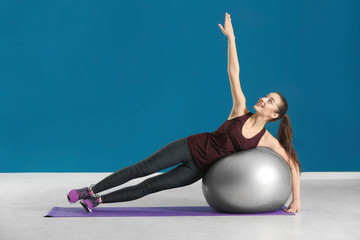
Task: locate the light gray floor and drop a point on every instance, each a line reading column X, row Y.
column 330, row 210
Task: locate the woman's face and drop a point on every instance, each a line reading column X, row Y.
column 267, row 105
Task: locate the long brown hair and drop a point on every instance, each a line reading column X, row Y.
column 284, row 134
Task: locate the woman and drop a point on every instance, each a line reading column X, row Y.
column 196, row 153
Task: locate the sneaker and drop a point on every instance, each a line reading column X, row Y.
column 75, row 195
column 90, row 203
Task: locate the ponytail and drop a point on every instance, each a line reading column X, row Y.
column 284, row 134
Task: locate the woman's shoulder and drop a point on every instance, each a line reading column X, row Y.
column 240, row 114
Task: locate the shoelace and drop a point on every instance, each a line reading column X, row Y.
column 95, row 199
column 84, row 193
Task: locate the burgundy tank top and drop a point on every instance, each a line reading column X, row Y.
column 207, row 147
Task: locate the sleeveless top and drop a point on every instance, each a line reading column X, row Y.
column 207, row 147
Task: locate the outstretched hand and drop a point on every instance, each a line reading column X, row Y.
column 227, row 29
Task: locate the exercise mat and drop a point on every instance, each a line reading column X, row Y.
column 185, row 211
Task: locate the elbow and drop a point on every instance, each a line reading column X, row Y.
column 233, row 72
column 233, row 68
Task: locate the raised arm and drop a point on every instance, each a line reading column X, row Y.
column 239, row 101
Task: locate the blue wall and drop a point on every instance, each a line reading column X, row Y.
column 98, row 85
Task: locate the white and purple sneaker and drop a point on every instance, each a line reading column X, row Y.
column 75, row 195
column 90, row 203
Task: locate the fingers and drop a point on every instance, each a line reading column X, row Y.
column 227, row 20
column 287, row 209
column 227, row 25
column 227, row 16
column 291, row 210
column 221, row 28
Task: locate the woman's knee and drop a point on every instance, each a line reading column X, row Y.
column 178, row 177
column 155, row 184
column 147, row 187
column 135, row 170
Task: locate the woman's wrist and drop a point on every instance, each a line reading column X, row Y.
column 231, row 37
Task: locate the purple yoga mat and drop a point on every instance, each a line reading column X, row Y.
column 148, row 212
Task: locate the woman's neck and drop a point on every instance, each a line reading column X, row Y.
column 256, row 121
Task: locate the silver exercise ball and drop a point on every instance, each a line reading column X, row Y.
column 251, row 181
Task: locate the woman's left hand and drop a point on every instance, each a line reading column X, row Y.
column 294, row 206
column 227, row 29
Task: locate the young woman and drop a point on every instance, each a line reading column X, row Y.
column 196, row 153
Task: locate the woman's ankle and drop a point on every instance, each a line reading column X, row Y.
column 91, row 190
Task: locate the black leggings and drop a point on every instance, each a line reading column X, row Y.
column 174, row 153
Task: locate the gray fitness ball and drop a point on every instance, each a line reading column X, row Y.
column 251, row 181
